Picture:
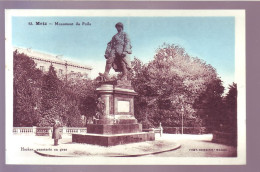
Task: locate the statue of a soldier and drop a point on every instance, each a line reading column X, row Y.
column 118, row 53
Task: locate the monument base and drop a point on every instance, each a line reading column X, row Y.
column 112, row 140
column 111, row 129
column 114, row 123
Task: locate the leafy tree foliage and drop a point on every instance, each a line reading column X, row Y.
column 70, row 100
column 171, row 85
column 26, row 91
column 52, row 98
column 210, row 106
column 230, row 102
column 40, row 98
column 81, row 94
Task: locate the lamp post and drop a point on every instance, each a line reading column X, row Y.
column 182, row 113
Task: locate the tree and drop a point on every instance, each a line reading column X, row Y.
column 81, row 97
column 230, row 101
column 170, row 85
column 26, row 90
column 52, row 99
column 210, row 105
column 40, row 98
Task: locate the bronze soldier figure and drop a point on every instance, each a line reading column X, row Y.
column 118, row 53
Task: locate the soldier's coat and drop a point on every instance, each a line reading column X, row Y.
column 120, row 43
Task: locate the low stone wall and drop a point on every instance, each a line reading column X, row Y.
column 43, row 131
column 47, row 131
column 186, row 130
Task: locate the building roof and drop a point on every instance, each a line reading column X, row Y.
column 58, row 59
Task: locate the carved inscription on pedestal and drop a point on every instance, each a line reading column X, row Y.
column 123, row 106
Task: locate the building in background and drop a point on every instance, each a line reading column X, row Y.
column 64, row 68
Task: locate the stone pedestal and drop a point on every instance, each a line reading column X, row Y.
column 118, row 124
column 112, row 140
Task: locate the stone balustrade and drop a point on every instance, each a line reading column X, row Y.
column 43, row 131
column 23, row 130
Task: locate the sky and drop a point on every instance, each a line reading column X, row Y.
column 209, row 38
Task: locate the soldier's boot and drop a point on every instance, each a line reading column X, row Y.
column 107, row 69
column 124, row 72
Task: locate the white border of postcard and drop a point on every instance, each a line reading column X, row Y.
column 240, row 79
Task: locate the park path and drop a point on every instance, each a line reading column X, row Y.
column 191, row 146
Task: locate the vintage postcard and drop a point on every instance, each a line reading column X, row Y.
column 125, row 87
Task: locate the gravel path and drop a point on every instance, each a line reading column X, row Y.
column 191, row 146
